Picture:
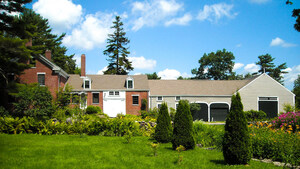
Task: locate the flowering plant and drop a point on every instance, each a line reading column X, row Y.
column 289, row 121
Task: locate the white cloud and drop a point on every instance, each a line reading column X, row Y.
column 259, row 1
column 215, row 12
column 279, row 42
column 238, row 45
column 91, row 33
column 150, row 13
column 142, row 63
column 101, row 72
column 237, row 66
column 291, row 76
column 184, row 20
column 77, row 60
column 172, row 74
column 62, row 14
column 251, row 68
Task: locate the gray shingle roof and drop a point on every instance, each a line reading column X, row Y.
column 109, row 82
column 196, row 87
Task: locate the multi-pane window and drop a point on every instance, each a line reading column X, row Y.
column 159, row 98
column 114, row 93
column 135, row 100
column 177, row 98
column 117, row 93
column 111, row 93
column 86, row 84
column 130, row 84
column 95, row 98
column 41, row 79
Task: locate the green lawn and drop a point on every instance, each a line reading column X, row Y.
column 74, row 151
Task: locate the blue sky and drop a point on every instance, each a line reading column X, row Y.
column 170, row 36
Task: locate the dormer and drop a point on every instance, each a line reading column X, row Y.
column 87, row 83
column 129, row 83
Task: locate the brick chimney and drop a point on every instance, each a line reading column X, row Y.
column 48, row 54
column 83, row 65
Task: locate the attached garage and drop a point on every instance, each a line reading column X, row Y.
column 218, row 111
column 269, row 105
column 202, row 114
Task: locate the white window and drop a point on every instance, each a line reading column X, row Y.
column 177, row 98
column 114, row 93
column 159, row 98
column 87, row 83
column 267, row 98
column 111, row 93
column 176, row 105
column 129, row 83
column 41, row 78
column 117, row 93
column 159, row 105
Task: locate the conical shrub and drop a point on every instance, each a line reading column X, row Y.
column 183, row 127
column 163, row 129
column 236, row 142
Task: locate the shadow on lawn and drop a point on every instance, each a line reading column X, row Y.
column 222, row 162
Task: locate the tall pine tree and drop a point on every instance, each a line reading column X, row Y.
column 116, row 50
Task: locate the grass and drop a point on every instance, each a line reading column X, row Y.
column 75, row 151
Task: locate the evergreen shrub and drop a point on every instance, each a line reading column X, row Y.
column 237, row 142
column 253, row 115
column 183, row 127
column 163, row 130
column 93, row 110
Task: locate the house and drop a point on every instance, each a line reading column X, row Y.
column 214, row 96
column 45, row 73
column 114, row 94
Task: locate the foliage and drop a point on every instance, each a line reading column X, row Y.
column 154, row 147
column 179, row 149
column 276, row 144
column 128, row 136
column 183, row 127
column 194, row 108
column 208, row 135
column 237, row 141
column 172, row 113
column 93, row 110
column 144, row 104
column 63, row 98
column 266, row 65
column 217, row 66
column 296, row 91
column 153, row 76
column 289, row 119
column 3, row 112
column 116, row 50
column 34, row 101
column 163, row 129
column 289, row 108
column 153, row 113
column 253, row 115
column 33, row 26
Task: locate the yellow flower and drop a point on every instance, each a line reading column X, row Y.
column 297, row 126
column 285, row 124
column 289, row 132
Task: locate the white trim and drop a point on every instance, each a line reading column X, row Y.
column 268, row 101
column 216, row 103
column 176, row 103
column 192, row 95
column 138, row 99
column 129, row 78
column 176, row 98
column 208, row 109
column 41, row 73
column 158, row 104
column 264, row 74
column 162, row 98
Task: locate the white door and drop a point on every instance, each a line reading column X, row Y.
column 112, row 107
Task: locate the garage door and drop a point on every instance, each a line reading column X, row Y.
column 269, row 105
column 202, row 114
column 114, row 107
column 218, row 111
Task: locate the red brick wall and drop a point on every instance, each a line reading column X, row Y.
column 90, row 99
column 134, row 109
column 51, row 79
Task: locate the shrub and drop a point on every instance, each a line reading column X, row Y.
column 63, row 96
column 3, row 112
column 151, row 113
column 163, row 130
column 291, row 119
column 172, row 113
column 93, row 110
column 236, row 142
column 183, row 127
column 34, row 101
column 253, row 115
column 208, row 135
column 289, row 108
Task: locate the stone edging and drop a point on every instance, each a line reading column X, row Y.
column 276, row 163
